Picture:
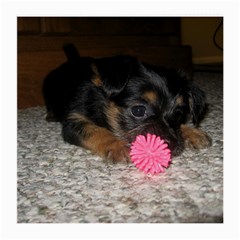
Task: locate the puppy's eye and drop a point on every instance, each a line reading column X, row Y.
column 138, row 111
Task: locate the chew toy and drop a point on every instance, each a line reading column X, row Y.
column 150, row 154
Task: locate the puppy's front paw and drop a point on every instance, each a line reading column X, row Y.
column 195, row 138
column 101, row 141
column 117, row 151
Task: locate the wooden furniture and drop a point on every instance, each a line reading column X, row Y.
column 155, row 40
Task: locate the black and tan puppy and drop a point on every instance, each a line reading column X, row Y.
column 103, row 104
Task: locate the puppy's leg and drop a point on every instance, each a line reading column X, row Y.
column 195, row 138
column 80, row 131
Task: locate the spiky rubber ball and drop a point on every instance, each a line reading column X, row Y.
column 150, row 154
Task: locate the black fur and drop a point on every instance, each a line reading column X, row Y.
column 110, row 93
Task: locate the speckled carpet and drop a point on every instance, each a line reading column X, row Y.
column 61, row 183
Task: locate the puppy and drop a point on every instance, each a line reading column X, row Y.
column 103, row 104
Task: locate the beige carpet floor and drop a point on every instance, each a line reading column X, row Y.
column 61, row 183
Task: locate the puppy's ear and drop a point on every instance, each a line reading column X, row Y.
column 197, row 104
column 114, row 72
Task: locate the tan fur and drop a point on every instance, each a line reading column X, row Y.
column 195, row 138
column 101, row 141
column 78, row 117
column 96, row 80
column 113, row 112
column 179, row 100
column 150, row 96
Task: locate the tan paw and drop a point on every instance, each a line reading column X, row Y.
column 117, row 151
column 195, row 138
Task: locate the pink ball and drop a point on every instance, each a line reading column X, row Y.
column 150, row 154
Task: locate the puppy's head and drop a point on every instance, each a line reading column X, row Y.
column 143, row 99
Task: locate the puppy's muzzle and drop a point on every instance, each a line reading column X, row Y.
column 172, row 138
